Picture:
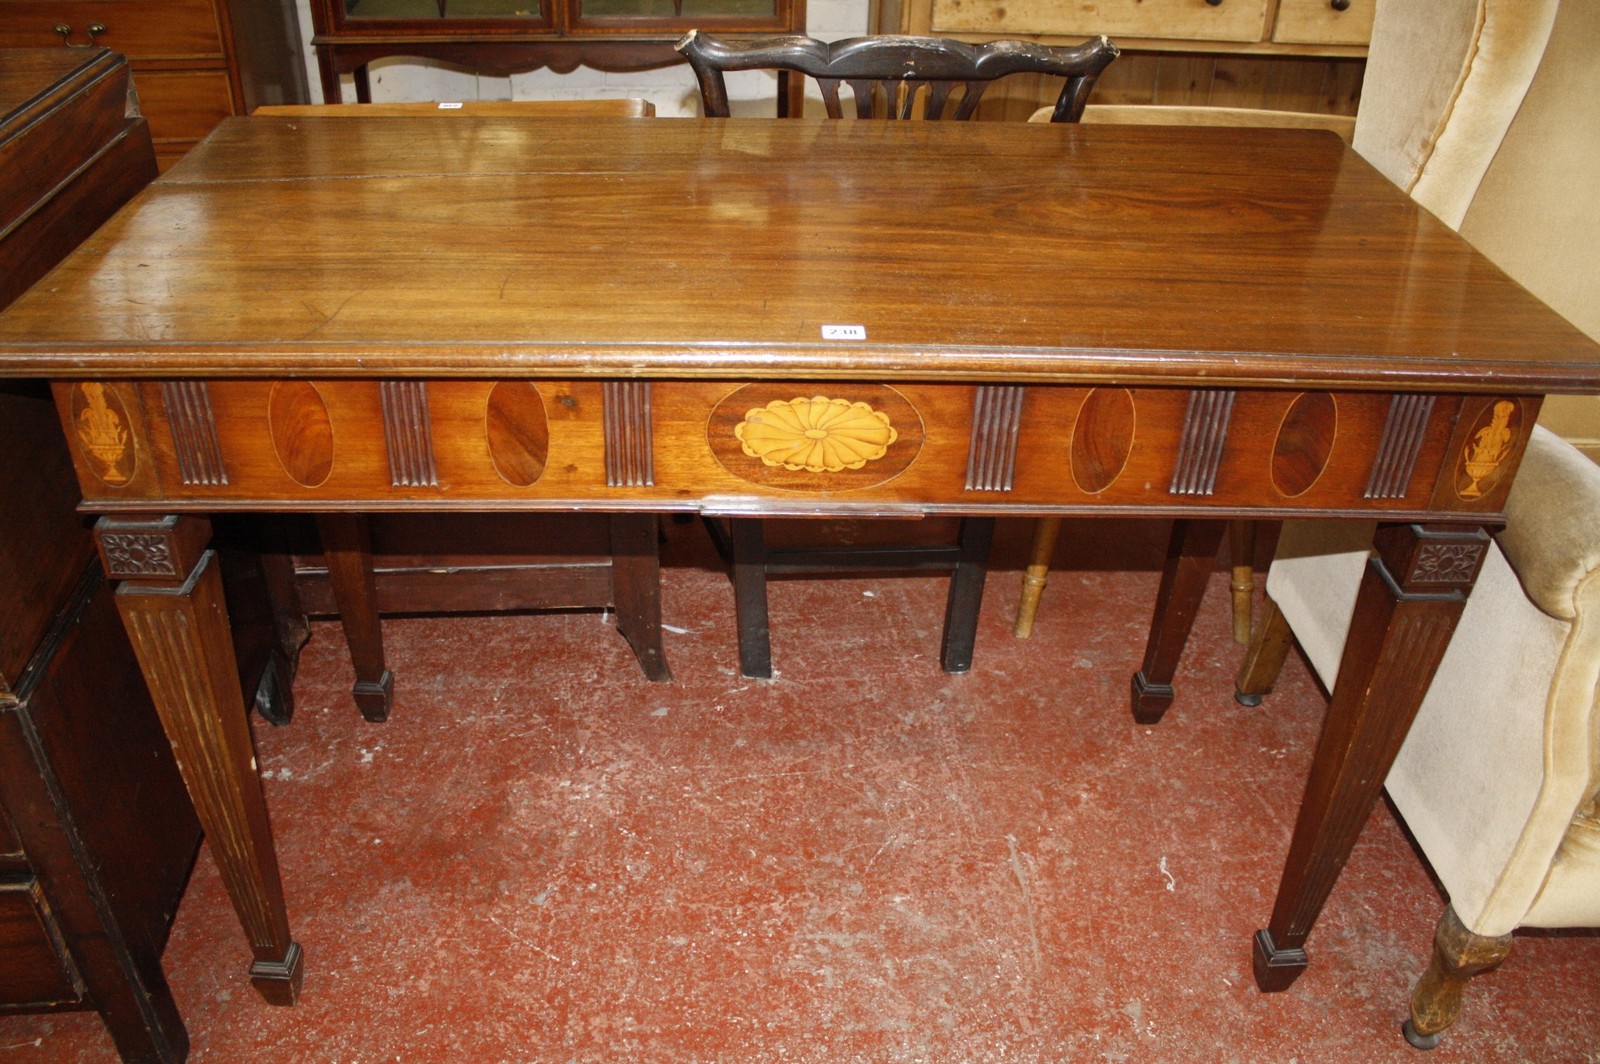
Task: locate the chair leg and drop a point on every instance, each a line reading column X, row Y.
column 1263, row 661
column 966, row 594
column 750, row 596
column 1458, row 955
column 1242, row 545
column 274, row 698
column 346, row 544
column 636, row 589
column 1045, row 531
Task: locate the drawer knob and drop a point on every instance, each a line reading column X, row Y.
column 1339, row 5
column 1214, row 3
column 94, row 30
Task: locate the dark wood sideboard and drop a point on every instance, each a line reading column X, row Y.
column 195, row 62
column 97, row 834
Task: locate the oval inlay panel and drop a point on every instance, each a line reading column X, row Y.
column 302, row 432
column 104, row 435
column 815, row 437
column 1304, row 443
column 518, row 432
column 1491, row 441
column 1102, row 438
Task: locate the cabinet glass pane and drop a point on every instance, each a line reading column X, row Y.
column 437, row 9
column 679, row 9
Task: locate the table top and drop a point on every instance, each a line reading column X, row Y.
column 471, row 247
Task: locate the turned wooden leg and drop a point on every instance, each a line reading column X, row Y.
column 1264, row 659
column 1406, row 610
column 1045, row 531
column 1191, row 557
column 966, row 594
column 347, row 547
column 748, row 546
column 1242, row 548
column 171, row 602
column 636, row 589
column 1458, row 955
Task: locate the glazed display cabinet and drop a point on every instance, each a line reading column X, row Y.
column 504, row 37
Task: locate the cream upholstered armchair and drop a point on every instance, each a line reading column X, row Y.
column 1499, row 778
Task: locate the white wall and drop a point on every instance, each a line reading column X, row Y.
column 672, row 89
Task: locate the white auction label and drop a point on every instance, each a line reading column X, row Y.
column 449, row 107
column 844, row 332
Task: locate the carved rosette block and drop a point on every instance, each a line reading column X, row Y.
column 996, row 428
column 819, row 435
column 144, row 548
column 630, row 449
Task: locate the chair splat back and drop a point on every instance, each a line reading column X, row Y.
column 893, row 69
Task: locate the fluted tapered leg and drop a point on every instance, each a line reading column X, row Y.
column 1406, row 610
column 171, row 601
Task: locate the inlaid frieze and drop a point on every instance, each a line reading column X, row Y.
column 408, row 434
column 1103, row 435
column 100, row 421
column 830, row 437
column 518, row 432
column 301, row 431
column 194, row 432
column 1205, row 431
column 1404, row 431
column 996, row 427
column 630, row 451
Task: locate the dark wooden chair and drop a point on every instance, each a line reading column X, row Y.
column 887, row 76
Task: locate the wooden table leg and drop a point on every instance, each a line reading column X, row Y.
column 966, row 594
column 636, row 589
column 748, row 544
column 1242, row 548
column 171, row 602
column 1410, row 599
column 1191, row 558
column 347, row 547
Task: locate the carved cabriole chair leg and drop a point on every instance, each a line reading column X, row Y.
column 1045, row 532
column 1264, row 659
column 1458, row 955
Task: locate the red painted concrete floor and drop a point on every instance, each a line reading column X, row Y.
column 542, row 857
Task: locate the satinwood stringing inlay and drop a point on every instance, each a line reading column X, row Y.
column 1304, row 445
column 408, row 434
column 1102, row 438
column 1205, row 430
column 518, row 432
column 1404, row 431
column 301, row 431
column 630, row 458
column 194, row 432
column 996, row 423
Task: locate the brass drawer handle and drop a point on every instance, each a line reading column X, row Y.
column 94, row 30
